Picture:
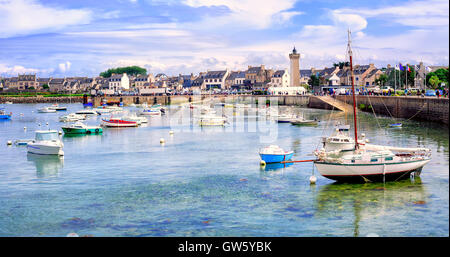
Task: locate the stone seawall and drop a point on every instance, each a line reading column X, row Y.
column 41, row 99
column 410, row 107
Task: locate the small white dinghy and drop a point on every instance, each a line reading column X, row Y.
column 46, row 110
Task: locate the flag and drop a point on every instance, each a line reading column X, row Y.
column 396, row 67
column 401, row 67
column 409, row 69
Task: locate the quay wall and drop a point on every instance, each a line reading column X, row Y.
column 409, row 107
column 41, row 99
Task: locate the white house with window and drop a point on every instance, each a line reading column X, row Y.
column 119, row 82
column 215, row 79
column 280, row 78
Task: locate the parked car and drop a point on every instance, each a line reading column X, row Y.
column 430, row 93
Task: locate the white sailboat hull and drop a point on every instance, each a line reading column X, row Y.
column 371, row 172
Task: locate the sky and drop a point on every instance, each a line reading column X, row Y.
column 83, row 37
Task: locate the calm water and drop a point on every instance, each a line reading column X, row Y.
column 208, row 182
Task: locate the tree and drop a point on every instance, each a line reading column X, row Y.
column 381, row 80
column 45, row 86
column 341, row 64
column 441, row 74
column 129, row 70
column 314, row 81
column 434, row 81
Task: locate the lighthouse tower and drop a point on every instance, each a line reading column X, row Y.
column 295, row 68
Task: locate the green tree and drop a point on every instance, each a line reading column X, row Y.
column 341, row 64
column 441, row 74
column 45, row 86
column 434, row 81
column 130, row 70
column 381, row 80
column 314, row 81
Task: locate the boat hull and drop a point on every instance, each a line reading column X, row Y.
column 5, row 117
column 36, row 148
column 119, row 124
column 304, row 123
column 82, row 130
column 276, row 158
column 360, row 173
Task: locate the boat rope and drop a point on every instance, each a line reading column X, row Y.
column 325, row 128
column 373, row 110
column 418, row 111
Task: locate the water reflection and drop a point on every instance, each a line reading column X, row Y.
column 368, row 200
column 276, row 166
column 46, row 165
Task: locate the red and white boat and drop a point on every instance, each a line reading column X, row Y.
column 118, row 122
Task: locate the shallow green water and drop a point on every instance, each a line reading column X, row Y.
column 208, row 182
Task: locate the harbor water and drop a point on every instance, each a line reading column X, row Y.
column 207, row 181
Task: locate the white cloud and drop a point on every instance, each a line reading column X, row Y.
column 255, row 14
column 64, row 67
column 20, row 17
column 412, row 13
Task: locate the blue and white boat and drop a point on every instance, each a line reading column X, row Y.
column 395, row 125
column 150, row 111
column 4, row 115
column 274, row 154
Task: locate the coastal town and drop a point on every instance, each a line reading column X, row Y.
column 409, row 79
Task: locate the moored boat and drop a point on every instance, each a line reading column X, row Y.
column 303, row 122
column 56, row 107
column 88, row 112
column 46, row 142
column 395, row 125
column 366, row 162
column 150, row 112
column 212, row 120
column 72, row 117
column 118, row 122
column 135, row 118
column 4, row 115
column 46, row 110
column 81, row 128
column 286, row 118
column 275, row 154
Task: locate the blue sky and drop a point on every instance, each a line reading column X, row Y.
column 83, row 38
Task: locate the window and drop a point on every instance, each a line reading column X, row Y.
column 388, row 158
column 353, row 160
column 374, row 159
column 356, row 78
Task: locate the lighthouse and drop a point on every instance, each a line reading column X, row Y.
column 295, row 68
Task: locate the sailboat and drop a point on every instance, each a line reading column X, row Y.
column 366, row 162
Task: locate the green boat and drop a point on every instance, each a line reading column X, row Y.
column 81, row 128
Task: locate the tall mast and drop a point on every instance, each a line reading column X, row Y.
column 350, row 54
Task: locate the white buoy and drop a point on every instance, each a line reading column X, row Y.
column 60, row 132
column 72, row 235
column 312, row 179
column 9, row 142
column 162, row 141
column 262, row 163
column 24, row 128
column 171, row 132
column 46, row 123
column 39, row 124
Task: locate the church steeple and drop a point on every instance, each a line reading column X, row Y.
column 294, row 51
